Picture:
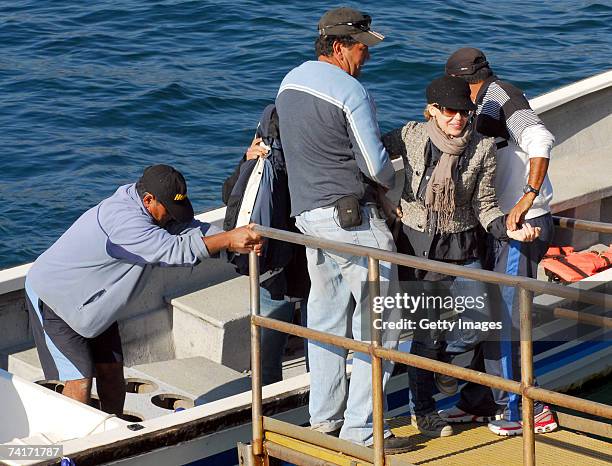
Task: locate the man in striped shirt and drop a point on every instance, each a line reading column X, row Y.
column 524, row 193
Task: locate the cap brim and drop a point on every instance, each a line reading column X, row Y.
column 181, row 211
column 467, row 105
column 369, row 38
column 454, row 104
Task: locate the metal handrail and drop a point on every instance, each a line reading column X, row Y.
column 584, row 225
column 526, row 286
column 596, row 321
column 531, row 284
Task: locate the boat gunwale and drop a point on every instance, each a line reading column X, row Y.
column 13, row 278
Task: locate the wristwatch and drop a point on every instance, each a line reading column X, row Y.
column 530, row 189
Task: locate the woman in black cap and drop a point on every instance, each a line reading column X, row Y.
column 447, row 200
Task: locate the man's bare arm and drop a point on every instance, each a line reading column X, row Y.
column 538, row 166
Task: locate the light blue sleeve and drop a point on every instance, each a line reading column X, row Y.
column 370, row 154
column 135, row 239
column 206, row 229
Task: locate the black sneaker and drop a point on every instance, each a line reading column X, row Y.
column 396, row 445
column 432, row 425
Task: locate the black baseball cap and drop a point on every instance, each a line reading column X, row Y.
column 349, row 22
column 466, row 61
column 170, row 188
column 451, row 92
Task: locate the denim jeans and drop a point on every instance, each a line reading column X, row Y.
column 337, row 304
column 273, row 342
column 445, row 345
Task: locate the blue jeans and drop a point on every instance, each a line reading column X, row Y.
column 337, row 304
column 273, row 342
column 447, row 344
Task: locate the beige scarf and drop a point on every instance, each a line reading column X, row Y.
column 440, row 192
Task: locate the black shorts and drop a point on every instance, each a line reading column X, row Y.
column 64, row 354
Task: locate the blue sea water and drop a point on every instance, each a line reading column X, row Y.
column 92, row 92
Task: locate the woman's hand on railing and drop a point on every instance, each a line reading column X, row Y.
column 526, row 234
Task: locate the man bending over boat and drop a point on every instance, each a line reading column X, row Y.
column 524, row 193
column 334, row 156
column 78, row 287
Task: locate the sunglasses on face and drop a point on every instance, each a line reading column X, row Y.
column 451, row 112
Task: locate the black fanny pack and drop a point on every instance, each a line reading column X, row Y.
column 349, row 211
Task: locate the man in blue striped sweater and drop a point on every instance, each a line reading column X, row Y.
column 335, row 164
column 524, row 193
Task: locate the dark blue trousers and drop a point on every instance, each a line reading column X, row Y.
column 500, row 355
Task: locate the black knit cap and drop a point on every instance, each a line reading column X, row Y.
column 466, row 61
column 170, row 188
column 451, row 92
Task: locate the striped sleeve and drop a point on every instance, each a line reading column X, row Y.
column 370, row 154
column 506, row 113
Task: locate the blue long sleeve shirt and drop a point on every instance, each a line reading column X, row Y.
column 330, row 135
column 89, row 275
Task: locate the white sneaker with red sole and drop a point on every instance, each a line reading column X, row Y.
column 543, row 423
column 455, row 415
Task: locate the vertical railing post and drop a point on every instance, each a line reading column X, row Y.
column 256, row 409
column 377, row 372
column 525, row 305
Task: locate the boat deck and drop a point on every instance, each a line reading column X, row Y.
column 475, row 444
column 471, row 444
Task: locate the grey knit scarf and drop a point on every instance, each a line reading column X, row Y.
column 440, row 192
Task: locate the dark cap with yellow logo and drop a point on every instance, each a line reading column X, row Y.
column 170, row 188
